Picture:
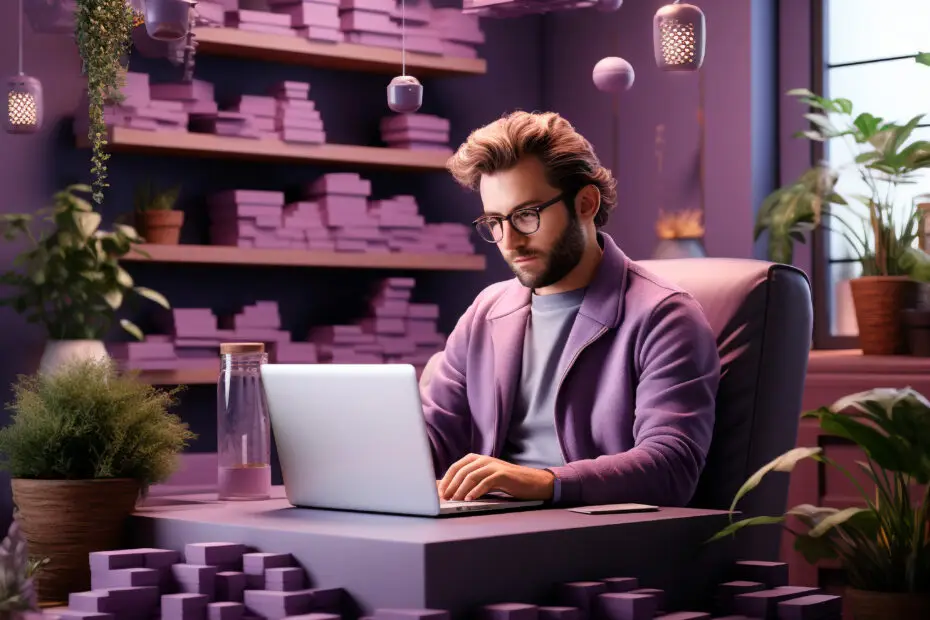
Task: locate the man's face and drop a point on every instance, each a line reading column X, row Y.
column 543, row 258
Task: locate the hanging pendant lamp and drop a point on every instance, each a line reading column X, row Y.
column 678, row 36
column 23, row 96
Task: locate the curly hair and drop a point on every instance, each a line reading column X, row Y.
column 568, row 158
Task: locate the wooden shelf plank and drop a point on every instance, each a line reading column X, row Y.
column 852, row 361
column 343, row 56
column 231, row 255
column 189, row 376
column 126, row 140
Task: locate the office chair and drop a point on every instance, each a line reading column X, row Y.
column 762, row 315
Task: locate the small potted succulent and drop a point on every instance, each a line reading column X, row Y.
column 156, row 218
column 83, row 445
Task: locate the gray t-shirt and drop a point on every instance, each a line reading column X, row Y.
column 531, row 438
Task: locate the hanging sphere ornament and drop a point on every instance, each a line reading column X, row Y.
column 606, row 6
column 405, row 94
column 678, row 37
column 613, row 74
column 24, row 104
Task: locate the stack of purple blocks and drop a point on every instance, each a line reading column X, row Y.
column 368, row 22
column 421, row 35
column 260, row 21
column 214, row 581
column 459, row 32
column 396, row 331
column 317, row 20
column 210, row 14
column 334, row 214
column 517, row 8
column 144, row 106
column 416, row 131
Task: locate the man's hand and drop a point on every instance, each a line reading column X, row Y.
column 474, row 475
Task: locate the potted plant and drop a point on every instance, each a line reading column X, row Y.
column 103, row 31
column 69, row 280
column 681, row 234
column 17, row 572
column 884, row 157
column 884, row 544
column 83, row 444
column 156, row 218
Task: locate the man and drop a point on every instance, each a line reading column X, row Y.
column 586, row 379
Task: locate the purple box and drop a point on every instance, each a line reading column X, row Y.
column 510, row 611
column 559, row 613
column 411, row 614
column 195, row 579
column 222, row 554
column 581, row 594
column 772, row 574
column 230, row 586
column 813, row 607
column 254, row 566
column 272, row 604
column 112, row 560
column 621, row 584
column 626, row 606
column 654, row 592
column 225, row 610
column 125, row 578
column 285, row 579
column 183, row 606
column 764, row 603
column 685, row 615
column 402, row 122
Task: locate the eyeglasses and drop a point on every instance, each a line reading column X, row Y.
column 525, row 221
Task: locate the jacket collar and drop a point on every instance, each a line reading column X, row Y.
column 603, row 300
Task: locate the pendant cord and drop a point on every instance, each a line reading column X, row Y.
column 20, row 37
column 403, row 36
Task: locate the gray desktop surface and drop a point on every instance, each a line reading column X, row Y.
column 456, row 563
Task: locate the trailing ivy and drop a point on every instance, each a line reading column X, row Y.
column 103, row 30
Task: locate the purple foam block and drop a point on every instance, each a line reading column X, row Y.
column 124, row 578
column 326, row 600
column 92, row 600
column 772, row 574
column 183, row 606
column 559, row 613
column 685, row 615
column 285, row 579
column 621, row 584
column 277, row 604
column 510, row 611
column 813, row 607
column 112, row 560
column 726, row 592
column 195, row 579
column 229, row 586
column 214, row 553
column 316, row 616
column 70, row 614
column 254, row 566
column 764, row 603
column 626, row 606
column 225, row 611
column 581, row 594
column 658, row 594
column 410, row 614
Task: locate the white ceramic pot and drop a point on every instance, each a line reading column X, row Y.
column 58, row 352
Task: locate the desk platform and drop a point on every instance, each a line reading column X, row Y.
column 456, row 563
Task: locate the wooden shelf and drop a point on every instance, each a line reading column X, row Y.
column 852, row 361
column 231, row 255
column 125, row 140
column 190, row 376
column 344, row 56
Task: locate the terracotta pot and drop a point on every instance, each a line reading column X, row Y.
column 161, row 226
column 868, row 605
column 65, row 520
column 880, row 302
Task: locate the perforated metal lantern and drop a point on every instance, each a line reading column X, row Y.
column 678, row 36
column 167, row 20
column 24, row 104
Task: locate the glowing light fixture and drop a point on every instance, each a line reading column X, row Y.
column 23, row 95
column 678, row 36
column 404, row 93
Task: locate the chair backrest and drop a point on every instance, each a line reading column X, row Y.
column 762, row 315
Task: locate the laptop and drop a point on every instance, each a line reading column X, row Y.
column 353, row 437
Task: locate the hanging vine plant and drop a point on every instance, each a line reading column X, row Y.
column 103, row 30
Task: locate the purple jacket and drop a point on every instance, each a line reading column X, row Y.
column 635, row 406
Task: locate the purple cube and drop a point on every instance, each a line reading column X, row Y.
column 101, row 561
column 225, row 610
column 813, row 607
column 772, row 574
column 316, row 616
column 271, row 604
column 195, row 579
column 223, row 554
column 559, row 613
column 764, row 603
column 159, row 558
column 510, row 611
column 92, row 600
column 658, row 594
column 284, row 579
column 621, row 584
column 581, row 594
column 229, row 586
column 626, row 606
column 411, row 614
column 326, row 600
column 124, row 578
column 183, row 606
column 71, row 614
column 254, row 566
column 728, row 591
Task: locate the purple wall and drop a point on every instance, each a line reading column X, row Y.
column 740, row 73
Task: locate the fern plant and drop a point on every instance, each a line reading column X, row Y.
column 89, row 421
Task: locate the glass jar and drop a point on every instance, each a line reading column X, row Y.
column 243, row 431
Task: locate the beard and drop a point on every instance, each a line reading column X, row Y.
column 554, row 264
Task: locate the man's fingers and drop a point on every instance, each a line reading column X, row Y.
column 451, row 490
column 486, row 485
column 453, row 469
column 472, row 480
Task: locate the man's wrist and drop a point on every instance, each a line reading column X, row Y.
column 555, row 486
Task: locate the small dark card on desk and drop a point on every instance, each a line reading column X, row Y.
column 607, row 509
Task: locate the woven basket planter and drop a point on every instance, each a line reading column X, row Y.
column 880, row 302
column 65, row 520
column 866, row 605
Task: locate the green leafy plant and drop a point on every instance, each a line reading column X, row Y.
column 70, row 279
column 17, row 569
column 103, row 30
column 884, row 544
column 885, row 158
column 148, row 197
column 89, row 421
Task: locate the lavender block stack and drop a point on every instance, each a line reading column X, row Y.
column 144, row 106
column 368, row 22
column 249, row 219
column 416, row 132
column 459, row 32
column 260, row 21
column 421, row 35
column 317, row 20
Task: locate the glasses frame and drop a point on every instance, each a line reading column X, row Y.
column 508, row 218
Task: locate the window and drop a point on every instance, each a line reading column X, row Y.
column 868, row 52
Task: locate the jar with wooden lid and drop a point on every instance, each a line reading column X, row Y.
column 243, row 432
